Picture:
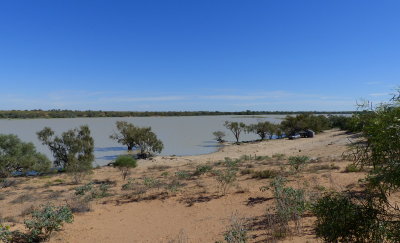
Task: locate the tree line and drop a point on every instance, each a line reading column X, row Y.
column 290, row 125
column 31, row 114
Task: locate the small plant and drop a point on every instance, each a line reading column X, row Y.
column 102, row 191
column 246, row 171
column 352, row 168
column 262, row 158
column 5, row 234
column 174, row 186
column 129, row 185
column 290, row 205
column 125, row 163
column 298, row 162
column 150, row 182
column 183, row 175
column 46, row 220
column 202, row 169
column 82, row 190
column 236, row 232
column 165, row 174
column 264, row 174
column 158, row 167
column 278, row 156
column 225, row 179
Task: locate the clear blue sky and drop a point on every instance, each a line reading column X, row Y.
column 198, row 55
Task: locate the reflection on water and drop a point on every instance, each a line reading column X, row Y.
column 106, row 149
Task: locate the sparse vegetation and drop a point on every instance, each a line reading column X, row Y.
column 298, row 162
column 352, row 168
column 47, row 219
column 264, row 174
column 236, row 232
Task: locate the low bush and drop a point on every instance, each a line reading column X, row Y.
column 315, row 168
column 339, row 219
column 298, row 162
column 246, row 171
column 352, row 168
column 47, row 219
column 236, row 232
column 125, row 163
column 290, row 205
column 264, row 174
column 82, row 190
column 225, row 179
column 278, row 156
column 80, row 204
column 183, row 175
column 5, row 234
column 202, row 169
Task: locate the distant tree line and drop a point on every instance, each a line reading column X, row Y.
column 30, row 114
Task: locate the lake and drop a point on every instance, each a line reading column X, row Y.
column 187, row 135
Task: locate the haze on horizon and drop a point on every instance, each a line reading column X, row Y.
column 198, row 55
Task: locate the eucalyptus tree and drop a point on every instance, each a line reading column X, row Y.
column 236, row 128
column 18, row 156
column 73, row 150
column 142, row 138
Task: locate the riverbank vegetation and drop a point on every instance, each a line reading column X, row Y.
column 30, row 114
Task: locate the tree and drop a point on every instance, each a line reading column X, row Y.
column 263, row 129
column 73, row 150
column 236, row 128
column 219, row 136
column 141, row 137
column 125, row 163
column 126, row 134
column 16, row 155
column 292, row 125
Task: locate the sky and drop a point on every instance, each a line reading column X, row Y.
column 224, row 55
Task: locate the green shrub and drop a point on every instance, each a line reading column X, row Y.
column 262, row 158
column 290, row 204
column 341, row 219
column 298, row 162
column 125, row 163
column 246, row 171
column 278, row 156
column 202, row 169
column 236, row 232
column 264, row 174
column 225, row 179
column 46, row 220
column 352, row 168
column 5, row 234
column 183, row 175
column 82, row 190
column 151, row 182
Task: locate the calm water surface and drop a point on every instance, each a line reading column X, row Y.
column 181, row 135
